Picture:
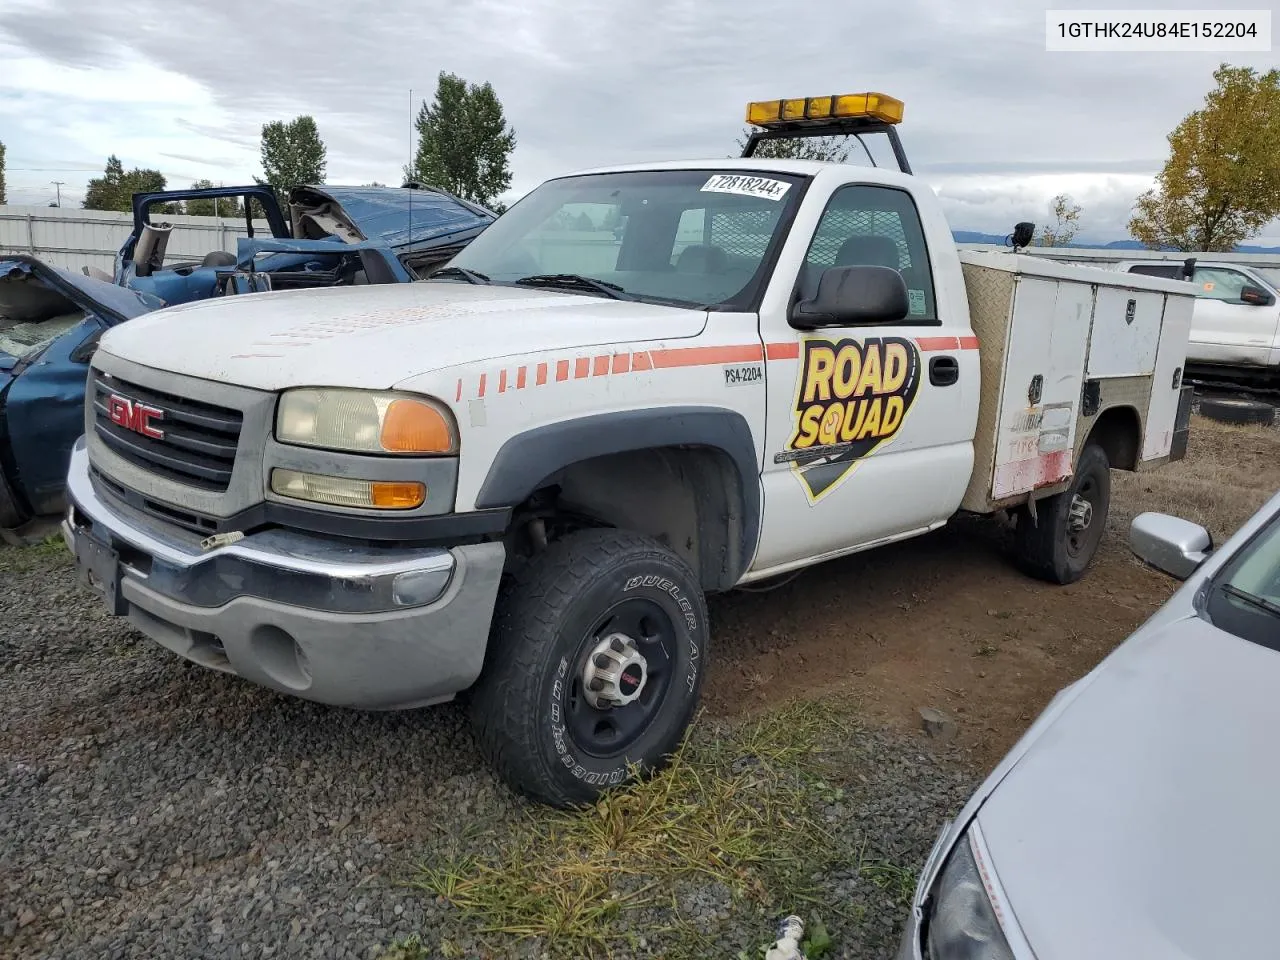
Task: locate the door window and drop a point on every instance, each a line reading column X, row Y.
column 873, row 226
column 1219, row 283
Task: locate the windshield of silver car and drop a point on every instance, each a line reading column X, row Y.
column 1244, row 599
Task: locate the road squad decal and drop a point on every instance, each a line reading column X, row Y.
column 852, row 396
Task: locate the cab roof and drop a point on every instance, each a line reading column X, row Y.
column 803, row 168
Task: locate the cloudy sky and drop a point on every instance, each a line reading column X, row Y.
column 994, row 122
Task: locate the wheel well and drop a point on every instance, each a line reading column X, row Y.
column 689, row 498
column 1118, row 431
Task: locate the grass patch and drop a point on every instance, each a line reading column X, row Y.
column 1229, row 472
column 735, row 813
column 42, row 554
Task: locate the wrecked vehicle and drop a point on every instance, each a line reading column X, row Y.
column 50, row 319
column 327, row 240
column 50, row 322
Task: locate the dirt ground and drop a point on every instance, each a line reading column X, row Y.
column 946, row 621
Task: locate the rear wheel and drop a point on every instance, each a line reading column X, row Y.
column 595, row 665
column 1059, row 543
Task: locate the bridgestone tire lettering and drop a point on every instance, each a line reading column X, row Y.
column 542, row 621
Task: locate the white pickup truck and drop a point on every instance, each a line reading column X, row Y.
column 520, row 477
column 1235, row 327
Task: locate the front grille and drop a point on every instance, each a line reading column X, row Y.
column 198, row 442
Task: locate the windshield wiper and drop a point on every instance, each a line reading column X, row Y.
column 1244, row 596
column 471, row 276
column 575, row 281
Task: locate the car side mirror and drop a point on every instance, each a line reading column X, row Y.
column 853, row 296
column 1170, row 544
column 1256, row 296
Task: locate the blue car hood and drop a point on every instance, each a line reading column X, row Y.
column 403, row 218
column 31, row 290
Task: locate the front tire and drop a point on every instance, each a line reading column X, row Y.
column 595, row 664
column 1060, row 542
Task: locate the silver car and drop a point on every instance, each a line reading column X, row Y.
column 1137, row 817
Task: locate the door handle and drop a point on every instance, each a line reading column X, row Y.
column 943, row 371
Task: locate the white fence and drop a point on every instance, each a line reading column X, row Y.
column 71, row 238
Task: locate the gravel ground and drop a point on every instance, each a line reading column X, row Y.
column 149, row 808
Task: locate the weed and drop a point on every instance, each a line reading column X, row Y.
column 732, row 811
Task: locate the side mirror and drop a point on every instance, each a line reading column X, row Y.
column 854, row 296
column 1256, row 296
column 1172, row 545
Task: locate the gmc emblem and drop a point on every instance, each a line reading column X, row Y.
column 134, row 415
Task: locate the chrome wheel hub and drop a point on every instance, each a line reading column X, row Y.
column 1080, row 515
column 615, row 673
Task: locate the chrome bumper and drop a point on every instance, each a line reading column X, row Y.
column 348, row 625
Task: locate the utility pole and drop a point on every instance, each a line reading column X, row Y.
column 58, row 186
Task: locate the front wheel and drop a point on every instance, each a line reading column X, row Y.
column 1060, row 542
column 595, row 664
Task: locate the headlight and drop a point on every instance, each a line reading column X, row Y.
column 962, row 922
column 364, row 421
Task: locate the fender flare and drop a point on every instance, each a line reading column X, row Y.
column 526, row 461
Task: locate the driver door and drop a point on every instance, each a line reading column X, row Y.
column 869, row 428
column 1226, row 329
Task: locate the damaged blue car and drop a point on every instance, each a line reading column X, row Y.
column 51, row 319
column 330, row 236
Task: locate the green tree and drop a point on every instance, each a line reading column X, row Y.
column 1066, row 214
column 464, row 142
column 114, row 190
column 292, row 154
column 215, row 207
column 829, row 149
column 1221, row 183
column 2, row 200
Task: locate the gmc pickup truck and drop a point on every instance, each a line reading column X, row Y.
column 519, row 478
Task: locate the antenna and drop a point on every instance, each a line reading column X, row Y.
column 409, row 168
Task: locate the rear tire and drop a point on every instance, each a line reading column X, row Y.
column 1237, row 410
column 1060, row 542
column 595, row 664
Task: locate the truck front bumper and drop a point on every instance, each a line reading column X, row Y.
column 367, row 627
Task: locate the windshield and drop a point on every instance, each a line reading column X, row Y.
column 689, row 237
column 1245, row 597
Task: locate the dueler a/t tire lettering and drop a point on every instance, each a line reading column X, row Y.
column 543, row 631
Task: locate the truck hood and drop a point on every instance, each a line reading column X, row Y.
column 1141, row 823
column 377, row 336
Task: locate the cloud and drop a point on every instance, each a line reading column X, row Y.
column 992, row 120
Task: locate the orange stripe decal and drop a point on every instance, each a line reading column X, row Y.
column 783, row 351
column 929, row 344
column 542, row 374
column 520, row 378
column 562, row 370
column 641, row 361
column 621, row 362
column 703, row 356
column 601, row 366
column 482, row 379
column 968, row 343
column 502, row 381
column 581, row 367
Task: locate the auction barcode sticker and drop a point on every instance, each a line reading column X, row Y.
column 747, row 186
column 1158, row 31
